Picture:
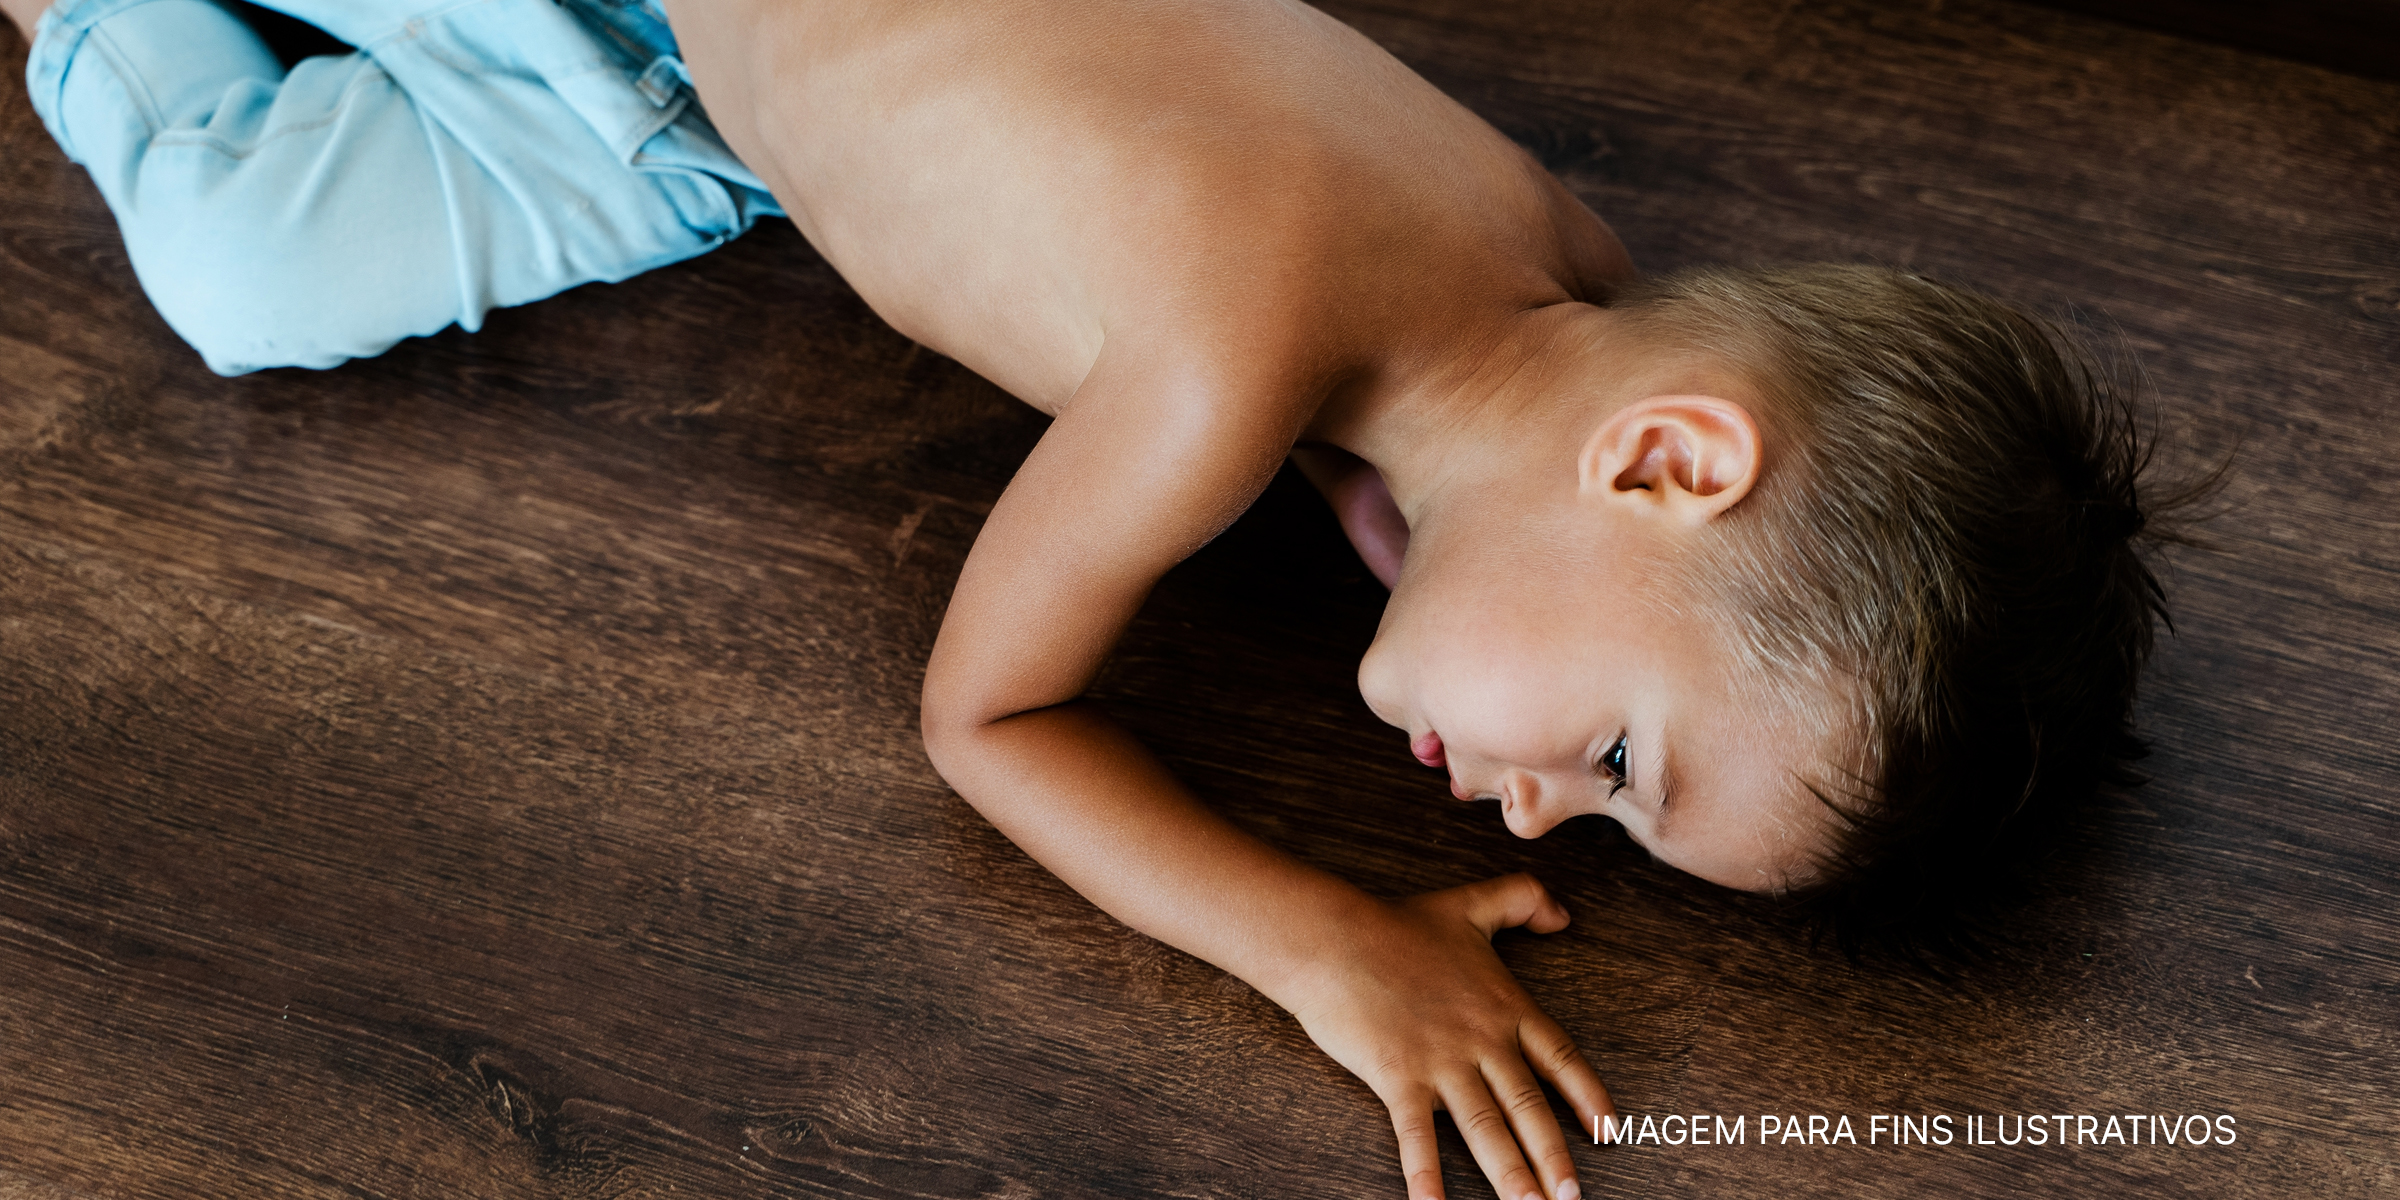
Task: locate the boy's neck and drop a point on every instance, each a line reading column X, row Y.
column 1514, row 404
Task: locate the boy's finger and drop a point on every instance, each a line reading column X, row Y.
column 1538, row 1135
column 1488, row 1133
column 1553, row 1056
column 1420, row 1152
column 1510, row 901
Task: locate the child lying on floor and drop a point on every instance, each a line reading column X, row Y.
column 1819, row 580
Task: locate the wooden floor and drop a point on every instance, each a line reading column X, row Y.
column 492, row 770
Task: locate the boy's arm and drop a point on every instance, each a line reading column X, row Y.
column 1143, row 467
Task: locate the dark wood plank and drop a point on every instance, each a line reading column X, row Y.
column 2359, row 36
column 492, row 769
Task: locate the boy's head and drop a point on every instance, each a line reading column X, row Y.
column 1951, row 533
column 1892, row 636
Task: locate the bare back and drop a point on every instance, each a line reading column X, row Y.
column 1015, row 183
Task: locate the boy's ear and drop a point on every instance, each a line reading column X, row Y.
column 1684, row 457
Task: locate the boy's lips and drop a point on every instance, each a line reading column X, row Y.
column 1428, row 749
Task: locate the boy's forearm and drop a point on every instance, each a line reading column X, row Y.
column 1090, row 803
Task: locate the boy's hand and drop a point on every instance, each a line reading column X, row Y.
column 1423, row 1011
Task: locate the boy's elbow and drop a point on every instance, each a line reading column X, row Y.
column 967, row 718
column 950, row 717
column 946, row 739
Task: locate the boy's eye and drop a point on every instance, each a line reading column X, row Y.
column 1613, row 762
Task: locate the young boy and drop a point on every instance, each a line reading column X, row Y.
column 1819, row 581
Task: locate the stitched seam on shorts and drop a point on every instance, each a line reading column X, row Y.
column 566, row 70
column 415, row 30
column 145, row 104
column 205, row 139
column 54, row 63
column 415, row 26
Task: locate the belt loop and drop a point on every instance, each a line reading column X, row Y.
column 661, row 79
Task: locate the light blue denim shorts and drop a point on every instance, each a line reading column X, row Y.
column 473, row 154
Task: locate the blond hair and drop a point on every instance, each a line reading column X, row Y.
column 1945, row 529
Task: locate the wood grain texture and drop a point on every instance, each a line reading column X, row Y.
column 2359, row 36
column 491, row 770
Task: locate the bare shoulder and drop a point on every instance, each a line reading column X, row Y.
column 1021, row 183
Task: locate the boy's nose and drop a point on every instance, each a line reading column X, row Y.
column 1528, row 816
